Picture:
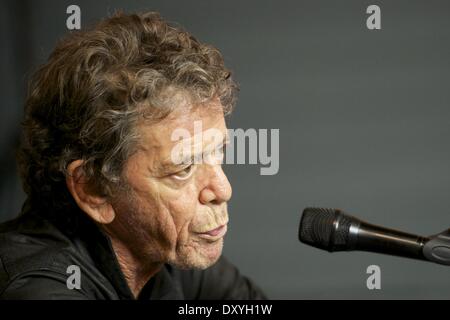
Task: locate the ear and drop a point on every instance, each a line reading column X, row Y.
column 95, row 206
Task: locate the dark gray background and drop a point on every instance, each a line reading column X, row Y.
column 364, row 121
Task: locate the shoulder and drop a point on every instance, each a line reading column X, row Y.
column 34, row 258
column 40, row 285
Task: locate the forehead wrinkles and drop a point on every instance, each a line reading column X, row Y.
column 160, row 134
column 155, row 140
column 205, row 141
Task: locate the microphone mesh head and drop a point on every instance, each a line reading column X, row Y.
column 316, row 226
column 324, row 228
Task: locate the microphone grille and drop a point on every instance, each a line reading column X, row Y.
column 316, row 226
column 325, row 228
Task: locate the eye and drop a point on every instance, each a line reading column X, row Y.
column 185, row 173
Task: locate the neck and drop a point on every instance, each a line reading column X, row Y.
column 137, row 270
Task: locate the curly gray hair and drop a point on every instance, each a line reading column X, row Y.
column 86, row 101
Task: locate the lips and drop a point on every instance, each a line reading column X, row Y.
column 214, row 234
column 215, row 231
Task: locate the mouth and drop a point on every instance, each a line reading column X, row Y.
column 214, row 234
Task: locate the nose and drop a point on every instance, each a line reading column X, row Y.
column 218, row 188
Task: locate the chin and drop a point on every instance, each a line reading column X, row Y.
column 198, row 257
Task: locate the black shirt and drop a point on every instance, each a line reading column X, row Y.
column 35, row 254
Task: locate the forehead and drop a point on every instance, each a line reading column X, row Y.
column 157, row 138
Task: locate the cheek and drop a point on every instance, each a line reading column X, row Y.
column 184, row 210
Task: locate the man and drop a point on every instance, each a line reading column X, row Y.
column 109, row 214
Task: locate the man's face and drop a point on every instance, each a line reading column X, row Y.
column 171, row 212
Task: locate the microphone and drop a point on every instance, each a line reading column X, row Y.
column 333, row 230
